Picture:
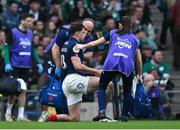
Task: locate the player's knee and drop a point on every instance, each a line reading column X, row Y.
column 24, row 92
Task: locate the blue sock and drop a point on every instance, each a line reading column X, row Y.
column 102, row 99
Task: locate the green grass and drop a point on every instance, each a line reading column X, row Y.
column 92, row 125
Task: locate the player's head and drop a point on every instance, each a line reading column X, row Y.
column 27, row 20
column 77, row 30
column 124, row 25
column 88, row 24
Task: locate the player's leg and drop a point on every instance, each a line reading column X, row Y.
column 105, row 79
column 74, row 85
column 127, row 97
column 8, row 116
column 21, row 104
column 44, row 113
column 22, row 75
column 74, row 113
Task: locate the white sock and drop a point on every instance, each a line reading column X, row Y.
column 21, row 112
column 9, row 109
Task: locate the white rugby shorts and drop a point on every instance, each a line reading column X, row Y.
column 74, row 86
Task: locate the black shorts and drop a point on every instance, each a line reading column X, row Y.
column 22, row 73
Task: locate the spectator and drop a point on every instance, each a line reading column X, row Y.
column 132, row 7
column 36, row 40
column 79, row 12
column 146, row 25
column 109, row 23
column 165, row 7
column 24, row 6
column 156, row 63
column 10, row 17
column 35, row 10
column 98, row 10
column 45, row 41
column 56, row 9
column 40, row 52
column 146, row 18
column 146, row 52
column 55, row 19
column 160, row 70
column 50, row 29
column 142, row 36
column 114, row 9
column 153, row 92
column 176, row 23
column 39, row 28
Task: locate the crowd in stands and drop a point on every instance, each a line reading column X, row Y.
column 51, row 14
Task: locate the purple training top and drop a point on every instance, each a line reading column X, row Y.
column 121, row 53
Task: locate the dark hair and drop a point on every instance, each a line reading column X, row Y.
column 32, row 1
column 75, row 26
column 26, row 15
column 154, row 51
column 10, row 2
column 106, row 18
column 126, row 25
column 54, row 2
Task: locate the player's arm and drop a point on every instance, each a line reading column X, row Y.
column 56, row 55
column 139, row 62
column 97, row 42
column 7, row 47
column 94, row 43
column 83, row 68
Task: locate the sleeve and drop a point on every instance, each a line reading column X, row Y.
column 7, row 47
column 62, row 37
column 107, row 36
column 73, row 53
column 87, row 40
column 35, row 55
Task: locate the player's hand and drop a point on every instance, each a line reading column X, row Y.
column 78, row 47
column 8, row 68
column 98, row 73
column 139, row 78
column 40, row 68
column 58, row 72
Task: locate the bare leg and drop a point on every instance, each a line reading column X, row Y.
column 21, row 103
column 74, row 113
column 94, row 84
column 22, row 99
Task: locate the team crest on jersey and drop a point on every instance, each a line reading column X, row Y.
column 75, row 49
column 123, row 43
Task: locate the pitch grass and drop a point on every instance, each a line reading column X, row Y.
column 174, row 124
